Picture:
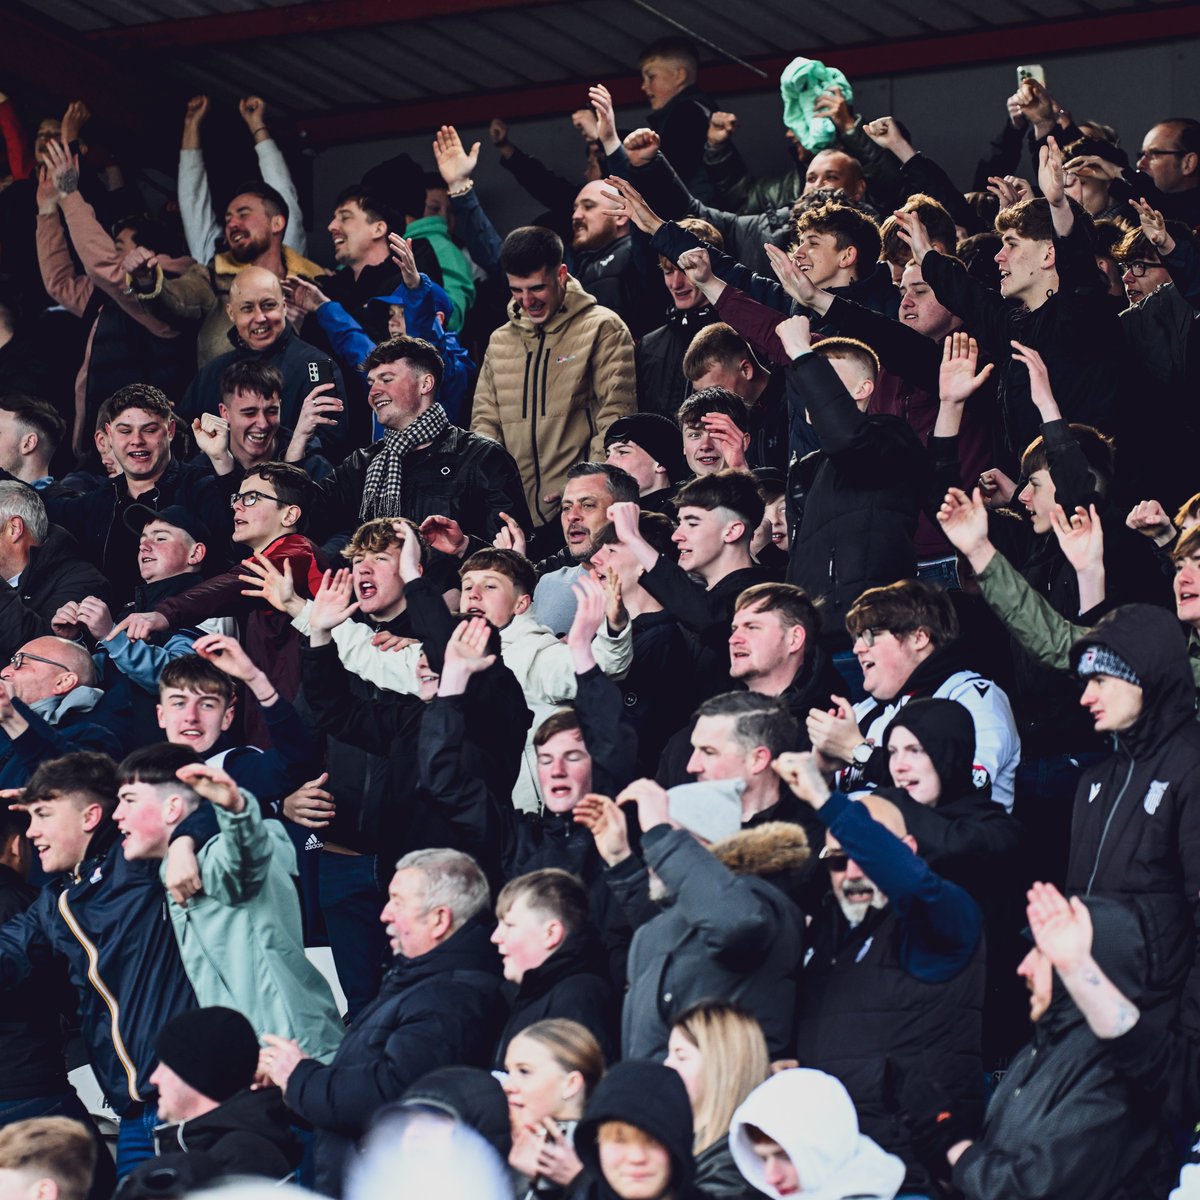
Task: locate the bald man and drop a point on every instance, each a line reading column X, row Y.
column 47, row 694
column 259, row 330
column 894, row 979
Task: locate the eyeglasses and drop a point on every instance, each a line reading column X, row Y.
column 1138, row 267
column 834, row 860
column 1160, row 153
column 21, row 655
column 870, row 635
column 250, row 499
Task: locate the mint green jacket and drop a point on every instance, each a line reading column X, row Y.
column 456, row 271
column 241, row 939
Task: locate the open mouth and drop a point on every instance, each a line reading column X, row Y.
column 258, row 437
column 577, row 534
column 708, row 460
column 366, row 590
column 560, row 791
column 858, row 893
column 378, row 403
column 474, row 610
column 238, row 237
column 140, row 457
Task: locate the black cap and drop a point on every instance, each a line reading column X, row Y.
column 215, row 1050
column 138, row 516
column 659, row 436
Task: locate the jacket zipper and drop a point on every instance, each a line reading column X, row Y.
column 1112, row 812
column 538, row 367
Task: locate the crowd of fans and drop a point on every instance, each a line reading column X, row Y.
column 717, row 665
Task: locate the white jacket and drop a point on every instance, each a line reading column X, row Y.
column 811, row 1116
column 541, row 663
column 997, row 743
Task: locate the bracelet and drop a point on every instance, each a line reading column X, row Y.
column 269, row 700
column 461, row 189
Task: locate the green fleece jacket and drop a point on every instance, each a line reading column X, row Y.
column 456, row 271
column 1036, row 624
column 241, row 940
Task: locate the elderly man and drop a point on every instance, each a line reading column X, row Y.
column 40, row 565
column 438, row 1006
column 47, row 694
column 260, row 333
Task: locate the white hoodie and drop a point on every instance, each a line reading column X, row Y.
column 811, row 1116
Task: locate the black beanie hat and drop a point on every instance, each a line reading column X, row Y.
column 946, row 731
column 215, row 1050
column 659, row 436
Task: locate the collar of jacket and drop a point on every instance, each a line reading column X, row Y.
column 278, row 346
column 682, row 318
column 293, row 263
column 574, row 302
column 469, row 948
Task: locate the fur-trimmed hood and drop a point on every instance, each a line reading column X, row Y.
column 765, row 850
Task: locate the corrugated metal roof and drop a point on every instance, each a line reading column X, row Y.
column 389, row 58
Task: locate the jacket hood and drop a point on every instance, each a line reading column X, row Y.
column 574, row 302
column 1150, row 639
column 764, row 850
column 652, row 1098
column 471, row 1095
column 404, row 297
column 79, row 699
column 261, row 1113
column 946, row 731
column 811, row 1116
column 295, row 264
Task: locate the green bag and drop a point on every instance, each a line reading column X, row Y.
column 803, row 80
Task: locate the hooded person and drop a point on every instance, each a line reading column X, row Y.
column 214, row 1124
column 1135, row 833
column 1066, row 1119
column 469, row 1095
column 797, row 1135
column 635, row 1139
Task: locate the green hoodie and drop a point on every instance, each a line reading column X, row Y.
column 456, row 271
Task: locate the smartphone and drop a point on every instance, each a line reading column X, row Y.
column 1031, row 71
column 320, row 371
column 211, row 423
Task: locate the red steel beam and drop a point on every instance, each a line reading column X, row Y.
column 289, row 20
column 1018, row 43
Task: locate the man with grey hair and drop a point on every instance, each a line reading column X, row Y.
column 41, row 568
column 439, row 1005
column 47, row 694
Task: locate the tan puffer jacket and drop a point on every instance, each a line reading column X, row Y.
column 548, row 392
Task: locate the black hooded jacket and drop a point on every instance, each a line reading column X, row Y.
column 470, row 1095
column 1135, row 833
column 1064, row 1122
column 652, row 1098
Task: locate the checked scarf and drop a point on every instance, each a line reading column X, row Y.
column 381, row 492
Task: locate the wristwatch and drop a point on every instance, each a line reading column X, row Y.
column 861, row 755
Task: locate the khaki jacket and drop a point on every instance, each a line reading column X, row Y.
column 548, row 392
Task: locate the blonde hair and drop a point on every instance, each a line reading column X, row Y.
column 573, row 1047
column 735, row 1061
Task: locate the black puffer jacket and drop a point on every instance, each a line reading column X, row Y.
column 854, row 502
column 436, row 1010
column 661, row 384
column 250, row 1134
column 1135, row 833
column 1064, row 1122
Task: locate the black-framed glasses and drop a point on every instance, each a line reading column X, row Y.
column 251, row 498
column 870, row 634
column 19, row 658
column 1138, row 267
column 1160, row 153
column 834, row 860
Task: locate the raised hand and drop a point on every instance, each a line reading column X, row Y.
column 885, row 132
column 1081, row 537
column 834, row 732
column 628, row 201
column 467, row 650
column 139, row 626
column 802, row 773
column 958, row 378
column 1150, row 519
column 586, row 123
column 212, row 436
column 196, row 110
column 215, row 785
column 730, row 440
column 455, row 164
column 626, row 518
column 65, row 622
column 402, row 256
column 264, row 581
column 721, row 127
column 606, row 118
column 333, row 603
column 795, row 334
column 320, row 407
column 1050, row 174
column 310, row 805
column 1009, row 190
column 964, row 520
column 697, row 266
column 1039, row 381
column 1154, row 226
column 832, row 104
column 182, row 874
column 1061, row 928
column 590, row 603
column 511, row 537
column 793, row 280
column 140, row 264
column 253, row 111
column 641, row 146
column 653, row 803
column 303, row 294
column 912, row 229
column 614, row 605
column 410, row 551
column 63, row 167
column 74, row 119
column 996, row 487
column 445, row 535
column 227, row 655
column 604, row 820
column 1092, row 166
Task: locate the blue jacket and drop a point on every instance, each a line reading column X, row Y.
column 109, row 921
column 421, row 306
column 21, row 756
